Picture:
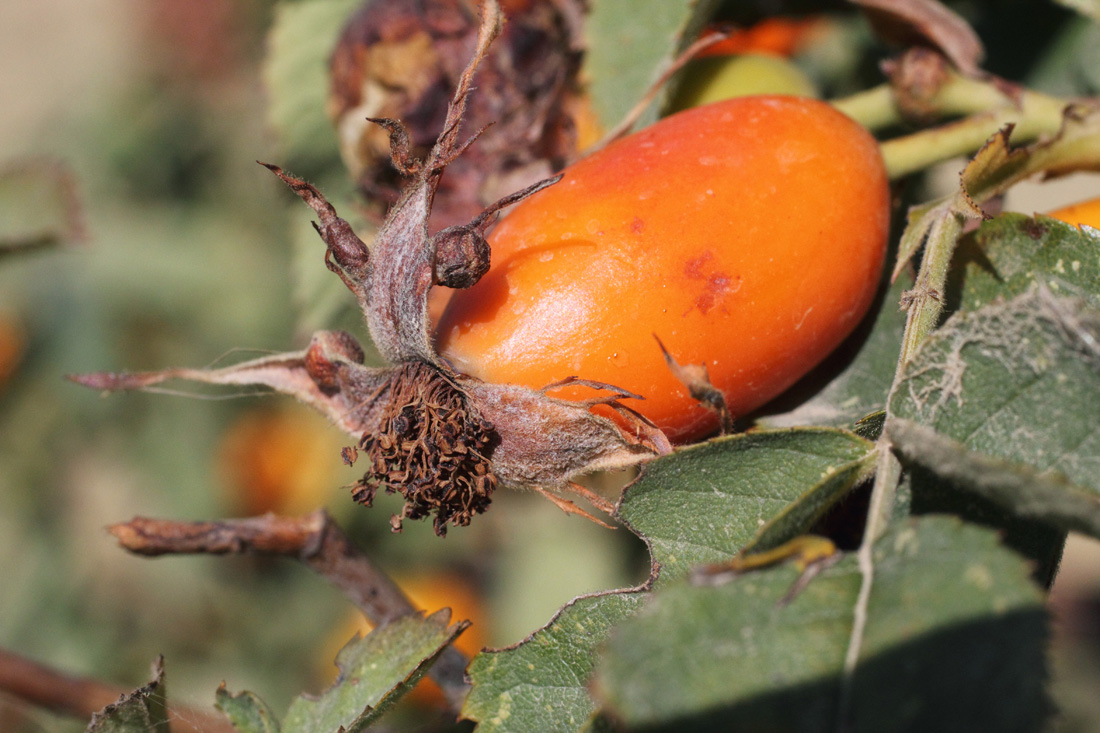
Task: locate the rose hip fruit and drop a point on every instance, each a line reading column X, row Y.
column 747, row 235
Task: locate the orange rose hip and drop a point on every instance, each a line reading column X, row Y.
column 748, row 235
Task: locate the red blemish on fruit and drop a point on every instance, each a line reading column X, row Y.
column 637, row 225
column 715, row 284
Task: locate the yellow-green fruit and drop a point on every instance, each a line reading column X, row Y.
column 715, row 78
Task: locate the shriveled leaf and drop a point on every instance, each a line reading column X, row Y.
column 1019, row 381
column 542, row 683
column 629, row 43
column 862, row 383
column 906, row 22
column 145, row 710
column 247, row 712
column 949, row 607
column 997, row 166
column 295, row 72
column 39, row 206
column 375, row 672
column 706, row 502
column 1007, row 255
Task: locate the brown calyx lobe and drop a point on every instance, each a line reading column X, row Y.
column 432, row 447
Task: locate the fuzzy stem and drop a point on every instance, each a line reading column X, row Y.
column 926, row 304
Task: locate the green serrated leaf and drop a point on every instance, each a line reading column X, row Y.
column 953, row 641
column 145, row 710
column 541, row 684
column 246, row 712
column 1018, row 380
column 375, row 672
column 629, row 43
column 1006, row 255
column 295, row 72
column 1003, row 402
column 705, row 502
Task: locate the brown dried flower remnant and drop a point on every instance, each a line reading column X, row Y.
column 400, row 59
column 440, row 438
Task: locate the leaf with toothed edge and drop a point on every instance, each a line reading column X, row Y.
column 375, row 671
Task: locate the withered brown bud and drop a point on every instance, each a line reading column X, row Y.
column 917, row 77
column 461, row 256
column 400, row 60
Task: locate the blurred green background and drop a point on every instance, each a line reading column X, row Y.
column 190, row 254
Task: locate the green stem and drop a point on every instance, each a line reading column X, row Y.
column 926, row 298
column 984, row 107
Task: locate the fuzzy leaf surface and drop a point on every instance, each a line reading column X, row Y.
column 375, row 671
column 145, row 710
column 706, row 502
column 949, row 606
column 542, row 683
column 1006, row 255
column 1017, row 381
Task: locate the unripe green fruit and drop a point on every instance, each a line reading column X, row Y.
column 715, row 78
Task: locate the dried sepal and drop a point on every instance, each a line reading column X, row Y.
column 441, row 439
column 328, row 376
column 697, row 380
column 927, row 23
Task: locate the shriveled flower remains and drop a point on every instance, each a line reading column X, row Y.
column 442, row 439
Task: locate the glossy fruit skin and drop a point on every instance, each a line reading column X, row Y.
column 748, row 235
column 1084, row 212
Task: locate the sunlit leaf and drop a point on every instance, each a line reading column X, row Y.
column 1006, row 255
column 953, row 641
column 629, row 42
column 706, row 502
column 375, row 671
column 542, row 683
column 1018, row 381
